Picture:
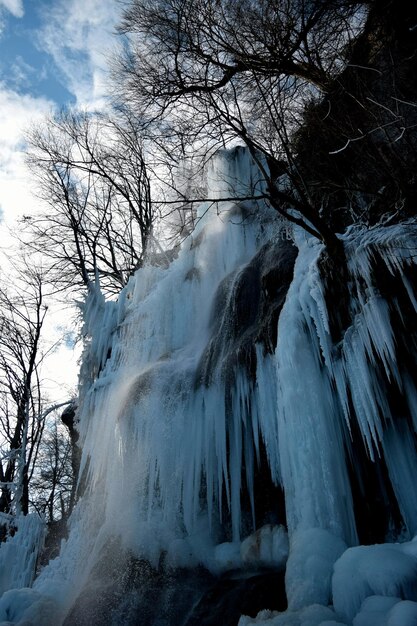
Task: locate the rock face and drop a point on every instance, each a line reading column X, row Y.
column 245, row 311
column 129, row 592
column 356, row 150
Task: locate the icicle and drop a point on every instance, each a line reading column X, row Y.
column 401, row 458
column 19, row 553
column 175, row 422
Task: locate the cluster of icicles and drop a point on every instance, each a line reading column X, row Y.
column 167, row 456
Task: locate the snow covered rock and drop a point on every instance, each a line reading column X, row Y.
column 379, row 570
column 313, row 553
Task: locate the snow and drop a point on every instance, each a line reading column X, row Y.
column 374, row 611
column 386, row 611
column 168, row 420
column 268, row 546
column 27, row 606
column 313, row 615
column 388, row 570
column 403, row 614
column 18, row 555
column 310, row 567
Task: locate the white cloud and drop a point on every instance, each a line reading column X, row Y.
column 17, row 112
column 14, row 6
column 60, row 369
column 79, row 35
column 22, row 73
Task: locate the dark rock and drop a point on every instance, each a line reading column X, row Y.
column 129, row 591
column 229, row 598
column 246, row 310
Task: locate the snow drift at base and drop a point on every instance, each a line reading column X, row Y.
column 235, row 417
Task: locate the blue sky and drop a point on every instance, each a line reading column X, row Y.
column 52, row 53
column 24, row 63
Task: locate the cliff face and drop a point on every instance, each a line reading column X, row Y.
column 244, row 429
column 356, row 150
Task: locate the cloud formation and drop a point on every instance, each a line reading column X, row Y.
column 79, row 34
column 14, row 6
column 17, row 112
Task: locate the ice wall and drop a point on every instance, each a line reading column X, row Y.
column 354, row 438
column 218, row 383
column 165, row 427
column 19, row 553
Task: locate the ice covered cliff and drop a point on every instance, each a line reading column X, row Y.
column 244, row 412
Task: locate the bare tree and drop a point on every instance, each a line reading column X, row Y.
column 357, row 149
column 92, row 173
column 211, row 72
column 22, row 315
column 24, row 410
column 323, row 91
column 53, row 481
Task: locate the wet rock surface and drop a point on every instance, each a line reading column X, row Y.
column 132, row 592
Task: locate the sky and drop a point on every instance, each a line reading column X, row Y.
column 53, row 53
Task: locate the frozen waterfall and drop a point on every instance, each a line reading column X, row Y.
column 229, row 424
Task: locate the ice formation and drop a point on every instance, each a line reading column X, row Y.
column 18, row 555
column 196, row 404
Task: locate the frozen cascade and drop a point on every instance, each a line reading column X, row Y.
column 20, row 551
column 359, row 391
column 164, row 428
column 310, row 433
column 199, row 408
